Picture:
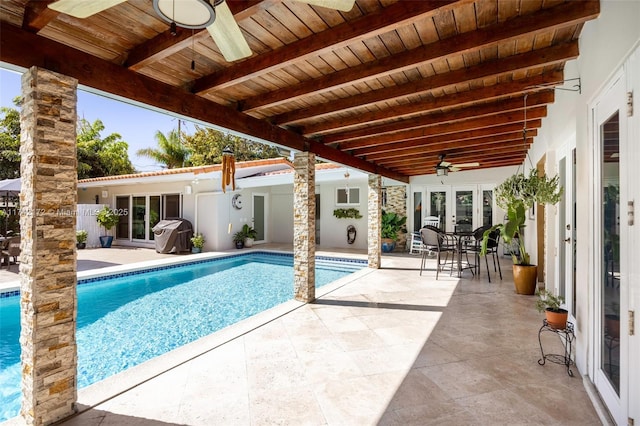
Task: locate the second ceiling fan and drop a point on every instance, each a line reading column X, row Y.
column 444, row 167
column 214, row 15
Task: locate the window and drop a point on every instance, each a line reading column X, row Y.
column 348, row 196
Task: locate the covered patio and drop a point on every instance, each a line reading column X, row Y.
column 389, row 347
column 396, row 89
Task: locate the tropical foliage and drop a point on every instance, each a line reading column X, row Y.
column 392, row 223
column 10, row 142
column 98, row 156
column 171, row 152
column 517, row 195
column 206, row 146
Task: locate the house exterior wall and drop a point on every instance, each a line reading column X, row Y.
column 605, row 45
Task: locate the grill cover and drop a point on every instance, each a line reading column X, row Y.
column 172, row 235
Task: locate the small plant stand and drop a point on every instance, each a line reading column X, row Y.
column 569, row 337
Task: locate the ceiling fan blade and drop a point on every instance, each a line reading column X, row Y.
column 83, row 8
column 343, row 5
column 227, row 35
column 463, row 165
column 444, row 163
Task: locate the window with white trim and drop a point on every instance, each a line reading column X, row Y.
column 347, row 196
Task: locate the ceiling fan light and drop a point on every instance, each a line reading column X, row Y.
column 191, row 14
column 442, row 171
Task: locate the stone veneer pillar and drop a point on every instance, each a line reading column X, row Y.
column 48, row 258
column 375, row 216
column 304, row 227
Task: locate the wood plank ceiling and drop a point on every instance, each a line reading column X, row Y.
column 386, row 87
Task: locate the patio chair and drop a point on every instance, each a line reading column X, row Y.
column 436, row 241
column 12, row 249
column 475, row 246
column 416, row 246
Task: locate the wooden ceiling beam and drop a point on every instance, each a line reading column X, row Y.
column 479, row 154
column 566, row 14
column 431, row 161
column 426, row 170
column 24, row 49
column 499, row 91
column 450, row 116
column 165, row 44
column 37, row 15
column 446, row 146
column 444, row 130
column 472, row 138
column 369, row 25
column 495, row 68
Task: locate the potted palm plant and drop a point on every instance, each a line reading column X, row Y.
column 238, row 239
column 517, row 195
column 391, row 224
column 550, row 304
column 107, row 218
column 250, row 235
column 81, row 238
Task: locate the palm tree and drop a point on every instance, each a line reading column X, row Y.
column 170, row 152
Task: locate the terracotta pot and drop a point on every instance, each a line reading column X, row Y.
column 557, row 320
column 525, row 278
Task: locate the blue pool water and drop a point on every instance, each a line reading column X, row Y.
column 127, row 320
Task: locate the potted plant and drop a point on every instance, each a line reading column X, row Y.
column 197, row 242
column 391, row 224
column 550, row 304
column 250, row 235
column 517, row 195
column 81, row 238
column 238, row 239
column 107, row 218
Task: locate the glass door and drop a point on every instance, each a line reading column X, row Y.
column 259, row 216
column 463, row 215
column 439, row 200
column 154, row 214
column 567, row 230
column 612, row 234
column 138, row 217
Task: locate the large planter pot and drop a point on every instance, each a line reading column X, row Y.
column 196, row 250
column 105, row 241
column 388, row 245
column 557, row 320
column 525, row 278
column 81, row 246
column 248, row 242
column 239, row 244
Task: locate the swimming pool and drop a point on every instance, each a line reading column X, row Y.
column 179, row 304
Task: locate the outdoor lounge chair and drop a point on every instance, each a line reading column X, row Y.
column 11, row 250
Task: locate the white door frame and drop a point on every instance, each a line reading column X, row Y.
column 567, row 153
column 604, row 106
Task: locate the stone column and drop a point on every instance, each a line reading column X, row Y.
column 375, row 216
column 48, row 257
column 304, row 227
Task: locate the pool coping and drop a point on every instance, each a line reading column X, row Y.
column 106, row 389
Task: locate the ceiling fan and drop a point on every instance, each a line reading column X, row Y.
column 214, row 15
column 444, row 167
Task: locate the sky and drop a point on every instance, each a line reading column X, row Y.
column 136, row 125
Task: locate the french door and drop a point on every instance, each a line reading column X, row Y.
column 259, row 212
column 460, row 208
column 144, row 212
column 613, row 175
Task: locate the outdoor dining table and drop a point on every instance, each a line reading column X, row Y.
column 459, row 237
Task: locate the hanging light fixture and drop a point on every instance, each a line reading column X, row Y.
column 191, row 14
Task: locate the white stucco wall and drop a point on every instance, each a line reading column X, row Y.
column 605, row 44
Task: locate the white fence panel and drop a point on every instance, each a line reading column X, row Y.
column 86, row 219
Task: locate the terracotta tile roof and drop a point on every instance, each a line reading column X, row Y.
column 195, row 170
